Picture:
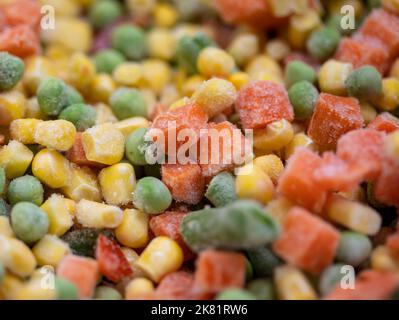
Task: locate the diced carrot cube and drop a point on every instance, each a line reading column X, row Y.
column 219, row 270
column 262, row 102
column 333, row 116
column 82, row 272
column 385, row 122
column 20, row 40
column 386, row 188
column 307, row 241
column 77, row 154
column 24, row 12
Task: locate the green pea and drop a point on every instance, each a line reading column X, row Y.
column 65, row 289
column 242, row 224
column 80, row 114
column 104, row 12
column 354, row 248
column 330, row 277
column 303, row 97
column 364, row 83
column 107, row 60
column 73, row 96
column 130, row 41
column 127, row 103
column 235, row 294
column 297, row 71
column 322, row 43
column 3, row 180
column 334, row 22
column 135, row 147
column 4, row 208
column 263, row 261
column 52, row 96
column 221, row 190
column 25, row 188
column 11, row 70
column 107, row 293
column 151, row 195
column 2, row 272
column 29, row 222
column 262, row 289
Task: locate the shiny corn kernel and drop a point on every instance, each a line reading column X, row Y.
column 156, row 74
column 104, row 114
column 389, row 99
column 300, row 27
column 299, row 140
column 12, row 106
column 161, row 257
column 5, row 227
column 55, row 134
column 81, row 72
column 15, row 158
column 161, row 44
column 392, row 144
column 34, row 290
column 137, row 287
column 133, row 230
column 277, row 49
column 128, row 73
column 104, row 143
column 23, row 130
column 274, row 137
column 129, row 125
column 263, row 67
column 278, row 208
column 132, row 257
column 271, row 165
column 239, row 79
column 243, row 48
column 37, row 68
column 368, row 112
column 117, row 183
column 60, row 212
column 332, row 77
column 102, row 87
column 10, row 286
column 192, row 84
column 215, row 62
column 98, row 215
column 50, row 250
column 165, row 15
column 383, row 260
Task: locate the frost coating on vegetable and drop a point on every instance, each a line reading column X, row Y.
column 11, row 70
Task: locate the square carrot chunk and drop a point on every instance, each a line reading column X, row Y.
column 20, row 40
column 385, row 122
column 261, row 103
column 307, row 241
column 333, row 116
column 219, row 270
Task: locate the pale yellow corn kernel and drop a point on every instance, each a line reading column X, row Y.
column 50, row 250
column 392, row 144
column 274, row 137
column 332, row 77
column 161, row 257
column 243, row 48
column 263, row 67
column 335, row 6
column 353, row 215
column 63, row 7
column 283, row 8
column 137, row 287
column 394, row 72
column 81, row 72
column 33, row 110
column 5, row 227
column 133, row 230
column 169, row 95
column 382, row 259
column 58, row 54
column 37, row 68
column 192, row 84
column 214, row 96
column 180, row 103
column 102, row 87
column 271, row 165
column 253, row 183
column 180, row 78
column 292, row 284
column 278, row 208
column 300, row 27
column 103, row 143
column 23, row 130
column 16, row 256
column 156, row 74
column 117, row 183
column 129, row 125
column 299, row 140
column 60, row 212
column 10, row 286
column 82, row 185
column 132, row 257
column 104, row 114
column 389, row 99
column 55, row 134
column 98, row 215
column 140, row 7
column 239, row 79
column 12, row 106
column 367, row 111
column 51, row 168
column 161, row 44
column 165, row 15
column 34, row 290
column 15, row 158
column 277, row 49
column 150, row 98
column 128, row 74
column 215, row 62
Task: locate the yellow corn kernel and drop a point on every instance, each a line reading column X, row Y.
column 34, row 290
column 5, row 227
column 104, row 114
column 169, row 95
column 271, row 165
column 383, row 260
column 103, row 143
column 278, row 208
column 368, row 112
column 161, row 257
column 98, row 215
column 389, row 99
column 161, row 44
column 133, row 231
column 263, row 67
column 51, row 168
column 334, row 6
column 117, row 183
column 277, row 49
column 140, row 7
column 192, row 84
column 165, row 15
column 332, row 77
column 37, row 68
column 300, row 27
column 132, row 257
column 137, row 287
column 50, row 250
column 82, row 185
column 392, row 144
column 353, row 215
column 63, row 7
column 292, row 284
column 254, row 183
column 81, row 72
column 215, row 62
column 283, row 8
column 214, row 96
column 128, row 73
column 150, row 98
column 55, row 134
column 239, row 79
column 243, row 48
column 180, row 103
column 33, row 110
column 15, row 158
column 60, row 212
column 12, row 106
column 102, row 87
column 10, row 286
column 23, row 130
column 156, row 74
column 129, row 125
column 299, row 140
column 274, row 137
column 16, row 256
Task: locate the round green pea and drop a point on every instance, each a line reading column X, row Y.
column 130, row 41
column 65, row 289
column 3, row 180
column 354, row 248
column 151, row 195
column 107, row 60
column 303, row 97
column 322, row 43
column 4, row 208
column 25, row 188
column 235, row 294
column 262, row 289
column 334, row 22
column 127, row 103
column 297, row 71
column 104, row 12
column 73, row 96
column 80, row 114
column 52, row 96
column 29, row 222
column 107, row 293
column 221, row 190
column 330, row 277
column 135, row 147
column 11, row 70
column 364, row 83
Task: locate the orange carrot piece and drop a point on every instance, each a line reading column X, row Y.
column 77, row 154
column 384, row 122
column 20, row 40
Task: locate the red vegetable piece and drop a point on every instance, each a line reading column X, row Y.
column 386, row 188
column 20, row 40
column 24, row 12
column 385, row 122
